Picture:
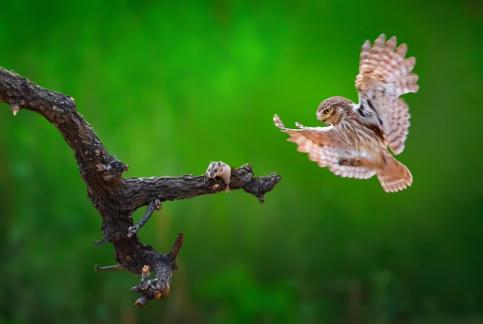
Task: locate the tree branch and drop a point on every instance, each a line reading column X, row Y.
column 154, row 205
column 117, row 198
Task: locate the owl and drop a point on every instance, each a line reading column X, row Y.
column 362, row 138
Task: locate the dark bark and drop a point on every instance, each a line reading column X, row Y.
column 117, row 198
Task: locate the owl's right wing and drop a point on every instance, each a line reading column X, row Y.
column 384, row 75
column 323, row 147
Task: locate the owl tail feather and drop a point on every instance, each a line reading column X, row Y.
column 394, row 176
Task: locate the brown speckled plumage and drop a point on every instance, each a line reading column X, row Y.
column 356, row 143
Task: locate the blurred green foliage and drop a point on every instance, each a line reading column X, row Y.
column 172, row 86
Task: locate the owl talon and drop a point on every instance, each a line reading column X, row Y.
column 299, row 125
column 219, row 169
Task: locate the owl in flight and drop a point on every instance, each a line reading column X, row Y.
column 361, row 136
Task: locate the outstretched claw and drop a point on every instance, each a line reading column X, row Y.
column 219, row 169
column 278, row 122
column 299, row 125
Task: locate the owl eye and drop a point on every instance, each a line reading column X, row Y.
column 326, row 111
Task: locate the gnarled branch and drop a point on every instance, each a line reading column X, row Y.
column 115, row 197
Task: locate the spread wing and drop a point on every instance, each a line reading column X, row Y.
column 323, row 147
column 384, row 75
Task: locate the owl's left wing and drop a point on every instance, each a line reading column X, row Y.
column 384, row 75
column 323, row 147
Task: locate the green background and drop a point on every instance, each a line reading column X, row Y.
column 171, row 87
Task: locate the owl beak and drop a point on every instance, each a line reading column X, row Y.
column 321, row 118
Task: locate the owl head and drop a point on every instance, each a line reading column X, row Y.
column 332, row 109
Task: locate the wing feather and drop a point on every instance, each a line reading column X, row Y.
column 384, row 75
column 323, row 147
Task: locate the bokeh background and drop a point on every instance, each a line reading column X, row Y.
column 169, row 88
